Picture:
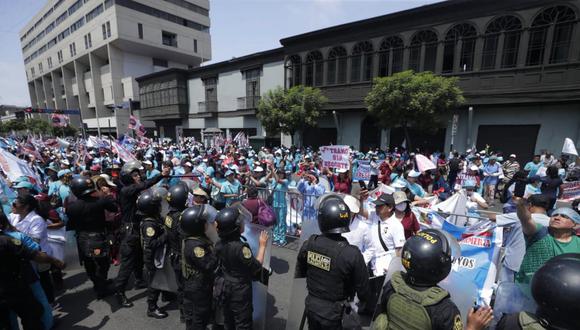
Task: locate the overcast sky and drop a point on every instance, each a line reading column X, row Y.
column 238, row 27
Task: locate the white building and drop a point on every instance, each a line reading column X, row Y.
column 86, row 54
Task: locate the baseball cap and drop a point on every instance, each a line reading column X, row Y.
column 199, row 192
column 229, row 172
column 21, row 179
column 258, row 169
column 385, row 199
column 108, row 180
column 341, row 170
column 474, row 168
column 400, row 197
column 24, row 184
column 414, row 174
column 147, row 162
column 62, row 173
column 568, row 213
column 468, row 184
column 512, row 156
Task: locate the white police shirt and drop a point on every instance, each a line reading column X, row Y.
column 393, row 236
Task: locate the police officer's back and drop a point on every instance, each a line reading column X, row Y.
column 87, row 216
column 556, row 290
column 334, row 270
column 239, row 268
column 199, row 263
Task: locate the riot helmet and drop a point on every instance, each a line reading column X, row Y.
column 177, row 196
column 427, row 258
column 229, row 222
column 128, row 168
column 193, row 220
column 149, row 203
column 556, row 290
column 334, row 216
column 82, row 186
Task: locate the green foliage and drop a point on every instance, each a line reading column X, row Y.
column 40, row 126
column 290, row 111
column 416, row 99
column 36, row 126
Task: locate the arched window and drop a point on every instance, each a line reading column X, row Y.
column 427, row 39
column 293, row 70
column 555, row 22
column 505, row 31
column 462, row 37
column 362, row 62
column 314, row 68
column 337, row 59
column 390, row 56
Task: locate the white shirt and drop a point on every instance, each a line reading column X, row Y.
column 34, row 226
column 472, row 201
column 392, row 234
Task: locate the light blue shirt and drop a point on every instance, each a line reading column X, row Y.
column 533, row 168
column 229, row 188
column 311, row 194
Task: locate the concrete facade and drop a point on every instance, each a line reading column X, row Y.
column 86, row 54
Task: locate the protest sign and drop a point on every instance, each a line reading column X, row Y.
column 123, row 153
column 14, row 167
column 363, row 171
column 336, row 157
column 570, row 191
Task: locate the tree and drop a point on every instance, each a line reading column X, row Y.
column 39, row 126
column 290, row 111
column 413, row 99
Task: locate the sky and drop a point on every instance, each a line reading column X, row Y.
column 238, row 27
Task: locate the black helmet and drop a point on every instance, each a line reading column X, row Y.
column 177, row 196
column 82, row 186
column 333, row 216
column 193, row 220
column 556, row 290
column 149, row 203
column 427, row 257
column 228, row 221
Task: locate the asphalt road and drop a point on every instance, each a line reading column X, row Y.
column 79, row 309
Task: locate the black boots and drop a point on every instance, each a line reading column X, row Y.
column 155, row 312
column 122, row 299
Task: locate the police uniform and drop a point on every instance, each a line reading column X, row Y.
column 153, row 237
column 87, row 217
column 174, row 239
column 240, row 268
column 334, row 272
column 521, row 320
column 15, row 292
column 199, row 265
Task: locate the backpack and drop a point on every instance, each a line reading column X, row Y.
column 266, row 215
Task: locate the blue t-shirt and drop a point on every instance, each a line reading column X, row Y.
column 229, row 188
column 533, row 168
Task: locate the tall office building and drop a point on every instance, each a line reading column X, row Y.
column 86, row 54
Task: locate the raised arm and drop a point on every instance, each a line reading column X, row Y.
column 528, row 225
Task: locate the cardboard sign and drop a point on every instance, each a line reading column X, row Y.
column 336, row 157
column 363, row 171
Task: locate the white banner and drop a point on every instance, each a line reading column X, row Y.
column 14, row 167
column 336, row 157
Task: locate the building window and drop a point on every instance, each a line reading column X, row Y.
column 160, row 62
column 314, row 69
column 426, row 40
column 190, row 6
column 161, row 15
column 464, row 36
column 88, row 41
column 60, row 19
column 32, row 71
column 169, row 39
column 362, row 62
column 195, row 45
column 391, row 50
column 252, row 98
column 140, row 30
column 59, row 55
column 294, row 70
column 49, row 60
column 210, row 86
column 337, row 62
column 94, row 13
column 108, row 4
column 506, row 27
column 559, row 22
column 75, row 6
column 39, row 67
column 73, row 49
column 106, row 30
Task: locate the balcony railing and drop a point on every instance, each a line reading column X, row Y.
column 207, row 106
column 250, row 102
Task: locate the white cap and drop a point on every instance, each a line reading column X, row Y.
column 258, row 169
column 147, row 162
column 512, row 156
column 341, row 170
column 474, row 168
column 414, row 174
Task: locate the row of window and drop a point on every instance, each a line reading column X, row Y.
column 550, row 37
column 75, row 26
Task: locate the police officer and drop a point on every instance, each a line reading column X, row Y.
column 239, row 268
column 15, row 292
column 87, row 217
column 199, row 265
column 177, row 197
column 154, row 237
column 130, row 249
column 413, row 300
column 556, row 290
column 334, row 269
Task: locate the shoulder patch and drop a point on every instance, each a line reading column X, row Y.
column 247, row 252
column 319, row 261
column 199, row 252
column 150, row 231
column 16, row 241
column 457, row 324
column 168, row 221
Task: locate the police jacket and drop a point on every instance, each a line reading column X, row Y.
column 16, row 269
column 521, row 320
column 174, row 232
column 238, row 262
column 128, row 199
column 199, row 262
column 88, row 215
column 334, row 271
column 153, row 237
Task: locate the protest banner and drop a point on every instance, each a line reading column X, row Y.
column 570, row 191
column 336, row 157
column 14, row 167
column 123, row 153
column 363, row 171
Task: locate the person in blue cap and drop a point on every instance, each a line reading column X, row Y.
column 25, row 188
